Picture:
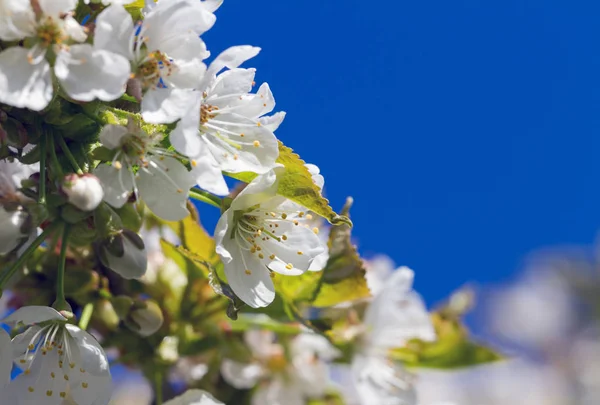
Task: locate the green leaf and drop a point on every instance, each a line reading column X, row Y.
column 453, row 348
column 296, row 184
column 254, row 321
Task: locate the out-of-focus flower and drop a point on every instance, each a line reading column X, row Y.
column 125, row 254
column 6, row 359
column 194, row 397
column 222, row 128
column 59, row 361
column 262, row 233
column 283, row 381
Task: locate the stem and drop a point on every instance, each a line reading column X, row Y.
column 205, row 197
column 7, row 274
column 86, row 315
column 158, row 388
column 60, row 280
column 55, row 163
column 69, row 155
column 42, row 181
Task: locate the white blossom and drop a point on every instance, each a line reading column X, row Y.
column 194, row 397
column 161, row 181
column 85, row 72
column 84, row 192
column 223, row 128
column 59, row 361
column 126, row 255
column 262, row 234
column 395, row 315
column 284, row 380
column 165, row 51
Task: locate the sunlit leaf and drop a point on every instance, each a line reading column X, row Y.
column 296, row 184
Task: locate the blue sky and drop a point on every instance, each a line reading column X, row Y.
column 467, row 131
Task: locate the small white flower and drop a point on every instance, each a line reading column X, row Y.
column 161, row 181
column 59, row 361
column 84, row 192
column 6, row 359
column 85, row 72
column 194, row 397
column 396, row 315
column 262, row 233
column 165, row 51
column 284, row 380
column 223, row 128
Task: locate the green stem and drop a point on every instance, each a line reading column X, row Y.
column 205, row 197
column 42, row 181
column 7, row 274
column 86, row 315
column 55, row 163
column 69, row 155
column 60, row 280
column 158, row 388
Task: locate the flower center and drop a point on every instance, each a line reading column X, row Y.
column 276, row 362
column 207, row 112
column 49, row 32
column 155, row 65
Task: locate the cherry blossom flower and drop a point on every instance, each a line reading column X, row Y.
column 194, row 397
column 165, row 51
column 59, row 361
column 142, row 166
column 223, row 128
column 262, row 234
column 85, row 72
column 283, row 381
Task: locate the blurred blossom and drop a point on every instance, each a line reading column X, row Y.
column 130, row 388
column 379, row 270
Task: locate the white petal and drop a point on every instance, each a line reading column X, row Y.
column 299, row 249
column 133, row 264
column 273, row 122
column 112, row 135
column 380, row 382
column 259, row 190
column 230, row 58
column 10, row 229
column 57, row 7
column 240, row 375
column 212, row 5
column 208, row 175
column 163, row 106
column 194, row 397
column 186, row 47
column 256, row 105
column 33, row 314
column 317, row 177
column 256, row 151
column 164, row 186
column 87, row 73
column 17, row 20
column 277, row 392
column 5, row 358
column 23, row 84
column 185, row 138
column 96, row 372
column 114, row 31
column 249, row 279
column 74, row 30
column 116, row 183
column 233, row 82
column 398, row 314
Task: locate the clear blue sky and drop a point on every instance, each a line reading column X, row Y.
column 467, row 131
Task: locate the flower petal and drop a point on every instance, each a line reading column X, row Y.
column 272, row 122
column 240, row 375
column 132, row 264
column 30, row 315
column 230, row 58
column 194, row 397
column 208, row 175
column 112, row 135
column 277, row 392
column 300, row 247
column 23, row 84
column 56, row 7
column 87, row 73
column 17, row 20
column 114, row 31
column 5, row 358
column 262, row 188
column 164, row 186
column 163, row 106
column 116, row 183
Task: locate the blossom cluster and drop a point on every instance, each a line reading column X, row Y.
column 111, row 122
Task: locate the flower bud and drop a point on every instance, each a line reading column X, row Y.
column 106, row 312
column 125, row 254
column 15, row 226
column 84, row 192
column 145, row 318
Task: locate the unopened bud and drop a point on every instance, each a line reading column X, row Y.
column 84, row 192
column 122, row 305
column 125, row 254
column 105, row 311
column 145, row 320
